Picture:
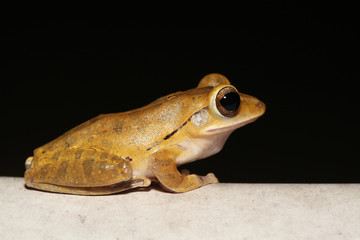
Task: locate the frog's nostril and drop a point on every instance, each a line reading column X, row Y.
column 259, row 104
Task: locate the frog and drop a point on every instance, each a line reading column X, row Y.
column 116, row 152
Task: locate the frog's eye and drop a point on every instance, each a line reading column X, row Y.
column 228, row 101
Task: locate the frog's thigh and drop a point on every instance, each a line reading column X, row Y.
column 167, row 173
column 88, row 176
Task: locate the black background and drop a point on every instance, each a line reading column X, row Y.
column 302, row 61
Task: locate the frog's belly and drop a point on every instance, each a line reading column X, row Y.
column 141, row 168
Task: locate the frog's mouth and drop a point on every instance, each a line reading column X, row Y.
column 232, row 127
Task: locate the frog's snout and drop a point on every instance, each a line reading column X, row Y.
column 260, row 106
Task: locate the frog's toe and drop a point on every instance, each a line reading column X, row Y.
column 140, row 182
column 210, row 178
column 185, row 172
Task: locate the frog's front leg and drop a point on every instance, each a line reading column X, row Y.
column 165, row 170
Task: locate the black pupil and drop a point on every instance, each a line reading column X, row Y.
column 230, row 101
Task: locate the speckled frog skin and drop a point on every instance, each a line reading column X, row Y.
column 115, row 152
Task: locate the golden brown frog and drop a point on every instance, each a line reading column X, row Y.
column 115, row 152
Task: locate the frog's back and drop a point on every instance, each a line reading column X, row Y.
column 120, row 134
column 74, row 144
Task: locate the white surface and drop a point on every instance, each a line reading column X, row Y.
column 221, row 211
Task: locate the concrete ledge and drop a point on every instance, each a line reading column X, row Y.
column 221, row 211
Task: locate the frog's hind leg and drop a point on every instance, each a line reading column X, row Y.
column 115, row 188
column 104, row 190
column 84, row 177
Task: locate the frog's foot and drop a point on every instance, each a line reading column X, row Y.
column 139, row 182
column 171, row 179
column 209, row 178
column 84, row 177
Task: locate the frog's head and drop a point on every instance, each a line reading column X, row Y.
column 220, row 110
column 227, row 109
